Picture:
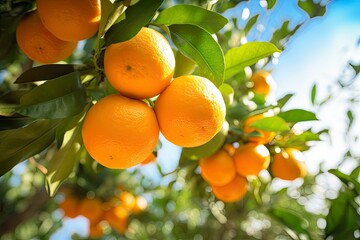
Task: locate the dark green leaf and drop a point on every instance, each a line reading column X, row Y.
column 350, row 116
column 250, row 24
column 272, row 124
column 346, row 179
column 110, row 12
column 14, row 122
column 297, row 115
column 50, row 71
column 63, row 162
column 282, row 101
column 356, row 68
column 191, row 14
column 236, row 59
column 291, row 219
column 19, row 144
column 198, row 45
column 335, row 217
column 137, row 16
column 58, row 98
column 311, row 8
column 10, row 102
column 313, row 94
column 271, row 4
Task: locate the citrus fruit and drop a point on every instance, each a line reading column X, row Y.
column 140, row 204
column 265, row 136
column 119, row 132
column 127, row 200
column 70, row 20
column 91, row 209
column 117, row 217
column 263, row 82
column 191, row 111
column 151, row 158
column 208, row 148
column 218, row 169
column 70, row 206
column 289, row 164
column 95, row 230
column 38, row 43
column 231, row 192
column 251, row 158
column 141, row 67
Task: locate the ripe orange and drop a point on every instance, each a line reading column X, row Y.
column 91, row 209
column 95, row 230
column 263, row 82
column 117, row 218
column 70, row 206
column 38, row 43
column 218, row 169
column 141, row 67
column 151, row 158
column 251, row 158
column 140, row 204
column 120, row 132
column 232, row 191
column 265, row 135
column 127, row 200
column 70, row 20
column 229, row 148
column 191, row 111
column 289, row 164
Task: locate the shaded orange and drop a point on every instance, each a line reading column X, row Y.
column 191, row 111
column 120, row 132
column 70, row 20
column 229, row 148
column 70, row 206
column 265, row 137
column 263, row 82
column 251, row 158
column 218, row 169
column 117, row 218
column 38, row 43
column 289, row 164
column 95, row 230
column 141, row 67
column 232, row 191
column 91, row 209
column 140, row 204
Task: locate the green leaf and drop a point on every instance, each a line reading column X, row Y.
column 350, row 116
column 7, row 123
column 191, row 14
column 355, row 67
column 271, row 124
column 236, row 59
column 291, row 219
column 282, row 101
column 50, row 71
column 137, row 16
column 297, row 115
column 10, row 102
column 335, row 217
column 184, row 66
column 110, row 12
column 228, row 93
column 19, row 144
column 311, row 8
column 346, row 179
column 58, row 98
column 250, row 24
column 313, row 94
column 304, row 137
column 271, row 4
column 198, row 45
column 63, row 162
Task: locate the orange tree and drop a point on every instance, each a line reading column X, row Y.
column 71, row 125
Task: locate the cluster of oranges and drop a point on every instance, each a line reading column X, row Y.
column 121, row 130
column 227, row 170
column 113, row 212
column 50, row 33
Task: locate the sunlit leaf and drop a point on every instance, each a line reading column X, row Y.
column 270, row 3
column 110, row 12
column 184, row 65
column 236, row 59
column 191, row 14
column 282, row 101
column 297, row 115
column 313, row 94
column 228, row 93
column 19, row 144
column 137, row 16
column 291, row 219
column 272, row 124
column 250, row 24
column 198, row 45
column 58, row 98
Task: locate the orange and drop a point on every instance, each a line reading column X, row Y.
column 95, row 230
column 120, row 132
column 289, row 164
column 232, row 191
column 141, row 67
column 91, row 209
column 151, row 158
column 140, row 204
column 70, row 20
column 70, row 206
column 263, row 82
column 127, row 200
column 191, row 111
column 117, row 218
column 38, row 43
column 265, row 137
column 251, row 158
column 229, row 148
column 218, row 169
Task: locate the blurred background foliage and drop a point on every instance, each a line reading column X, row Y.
column 180, row 203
